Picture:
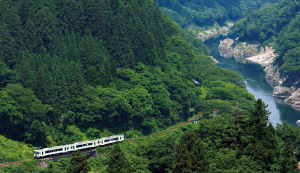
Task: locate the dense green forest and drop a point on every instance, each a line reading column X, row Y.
column 235, row 144
column 207, row 12
column 275, row 25
column 75, row 70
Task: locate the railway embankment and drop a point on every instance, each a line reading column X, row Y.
column 43, row 164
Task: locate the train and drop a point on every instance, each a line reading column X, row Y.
column 46, row 152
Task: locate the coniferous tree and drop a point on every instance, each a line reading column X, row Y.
column 40, row 86
column 31, row 39
column 184, row 153
column 199, row 160
column 117, row 161
column 61, row 98
column 45, row 24
column 183, row 160
column 101, row 24
column 289, row 160
column 263, row 147
column 78, row 163
column 7, row 46
column 23, row 8
column 14, row 25
column 73, row 53
column 234, row 134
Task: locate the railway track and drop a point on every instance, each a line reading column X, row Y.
column 171, row 129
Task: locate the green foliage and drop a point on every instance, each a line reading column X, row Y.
column 191, row 155
column 265, row 146
column 275, row 25
column 159, row 153
column 117, row 161
column 22, row 112
column 14, row 151
column 77, row 70
column 224, row 107
column 27, row 166
column 78, row 163
column 213, row 145
column 207, row 12
column 289, row 161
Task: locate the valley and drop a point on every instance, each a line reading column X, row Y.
column 72, row 71
column 256, row 81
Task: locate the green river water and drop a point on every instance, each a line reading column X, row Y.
column 256, row 84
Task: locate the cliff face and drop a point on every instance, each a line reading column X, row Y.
column 283, row 92
column 264, row 56
column 228, row 48
column 254, row 53
column 207, row 34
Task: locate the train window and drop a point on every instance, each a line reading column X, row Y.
column 83, row 145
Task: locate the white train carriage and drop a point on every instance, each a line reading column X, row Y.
column 77, row 146
column 112, row 139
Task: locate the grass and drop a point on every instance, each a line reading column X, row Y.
column 12, row 151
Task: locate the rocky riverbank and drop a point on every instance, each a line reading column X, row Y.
column 264, row 56
column 217, row 30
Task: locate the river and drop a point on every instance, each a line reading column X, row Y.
column 256, row 84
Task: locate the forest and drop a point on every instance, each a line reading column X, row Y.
column 74, row 70
column 205, row 13
column 238, row 143
column 275, row 25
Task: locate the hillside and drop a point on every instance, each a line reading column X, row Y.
column 275, row 25
column 236, row 144
column 74, row 70
column 208, row 12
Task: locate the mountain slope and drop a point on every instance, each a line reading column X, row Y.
column 207, row 12
column 73, row 70
column 276, row 25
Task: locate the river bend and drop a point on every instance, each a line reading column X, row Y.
column 256, row 84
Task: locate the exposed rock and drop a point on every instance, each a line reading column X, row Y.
column 228, row 49
column 298, row 122
column 284, row 92
column 264, row 58
column 42, row 164
column 207, row 34
column 274, row 75
column 93, row 154
column 216, row 61
column 244, row 52
column 294, row 99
